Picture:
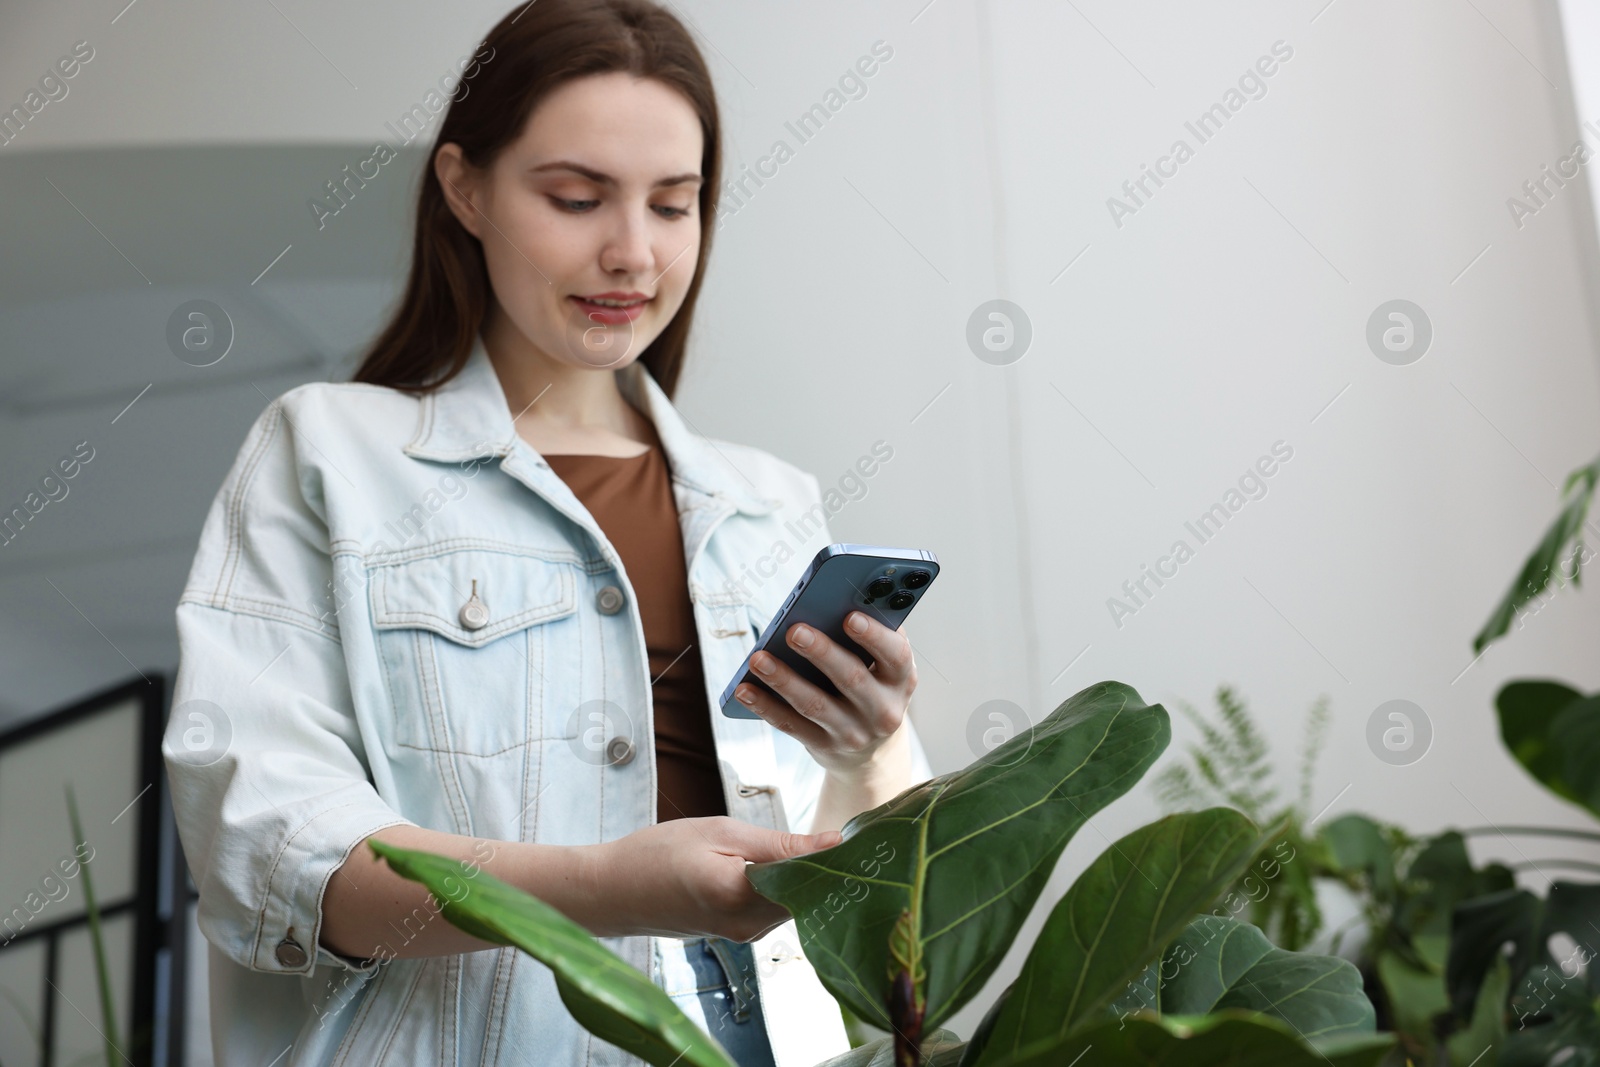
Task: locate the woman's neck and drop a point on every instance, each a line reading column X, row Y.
column 559, row 408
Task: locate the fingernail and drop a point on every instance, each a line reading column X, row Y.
column 745, row 694
column 802, row 636
column 762, row 664
column 857, row 623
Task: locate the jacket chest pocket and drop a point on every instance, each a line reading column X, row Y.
column 468, row 639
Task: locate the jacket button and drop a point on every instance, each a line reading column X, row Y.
column 474, row 614
column 609, row 600
column 290, row 954
column 619, row 750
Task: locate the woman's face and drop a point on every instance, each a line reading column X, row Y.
column 595, row 204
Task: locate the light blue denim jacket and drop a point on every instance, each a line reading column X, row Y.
column 331, row 684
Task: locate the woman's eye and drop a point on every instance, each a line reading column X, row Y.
column 673, row 212
column 575, row 205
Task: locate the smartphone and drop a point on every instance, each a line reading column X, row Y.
column 884, row 583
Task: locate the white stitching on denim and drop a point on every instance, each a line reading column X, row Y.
column 235, row 526
column 433, row 700
column 400, row 1012
column 458, row 544
column 369, row 1000
column 449, row 1008
column 277, row 614
column 494, row 1021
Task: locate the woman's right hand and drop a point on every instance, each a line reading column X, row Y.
column 685, row 878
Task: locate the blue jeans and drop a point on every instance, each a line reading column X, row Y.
column 713, row 980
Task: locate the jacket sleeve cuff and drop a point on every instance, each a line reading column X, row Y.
column 288, row 935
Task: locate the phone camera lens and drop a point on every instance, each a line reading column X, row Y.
column 916, row 579
column 902, row 599
column 880, row 587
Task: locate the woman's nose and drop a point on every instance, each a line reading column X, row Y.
column 628, row 249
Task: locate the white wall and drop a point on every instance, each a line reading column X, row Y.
column 1222, row 317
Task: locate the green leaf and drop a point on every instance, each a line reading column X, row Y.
column 949, row 869
column 1438, row 878
column 1232, row 1039
column 940, row 1049
column 1551, row 552
column 1478, row 931
column 1487, row 1032
column 1289, row 913
column 1482, row 926
column 609, row 997
column 1357, row 844
column 1554, row 1013
column 1135, row 898
column 1527, row 711
column 108, row 1012
column 1218, row 964
column 1416, row 995
column 1578, row 728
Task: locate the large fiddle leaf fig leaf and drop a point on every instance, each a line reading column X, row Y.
column 926, row 892
column 609, row 997
column 1554, row 732
column 1120, row 913
column 1551, row 557
column 1219, row 964
column 1231, row 1039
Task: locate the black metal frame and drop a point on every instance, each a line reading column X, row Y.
column 162, row 891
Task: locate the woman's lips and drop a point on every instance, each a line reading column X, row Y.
column 608, row 315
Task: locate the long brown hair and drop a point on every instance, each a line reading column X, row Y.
column 535, row 49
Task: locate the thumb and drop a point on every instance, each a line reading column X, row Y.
column 767, row 845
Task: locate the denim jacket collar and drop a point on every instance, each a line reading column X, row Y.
column 469, row 418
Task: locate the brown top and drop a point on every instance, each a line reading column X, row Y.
column 631, row 498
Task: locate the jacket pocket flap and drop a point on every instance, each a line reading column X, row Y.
column 429, row 593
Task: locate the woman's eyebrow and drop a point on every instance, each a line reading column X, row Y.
column 600, row 178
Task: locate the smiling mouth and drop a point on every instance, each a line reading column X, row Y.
column 609, row 310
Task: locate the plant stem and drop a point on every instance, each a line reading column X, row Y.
column 1576, row 865
column 1530, row 831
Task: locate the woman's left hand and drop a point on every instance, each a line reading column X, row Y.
column 844, row 733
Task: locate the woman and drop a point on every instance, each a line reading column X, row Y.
column 478, row 601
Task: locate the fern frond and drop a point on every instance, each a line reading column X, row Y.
column 1208, row 771
column 1231, row 762
column 1247, row 747
column 1317, row 721
column 1175, row 788
column 1214, row 741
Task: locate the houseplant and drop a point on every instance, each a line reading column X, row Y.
column 1127, row 970
column 1551, row 1005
